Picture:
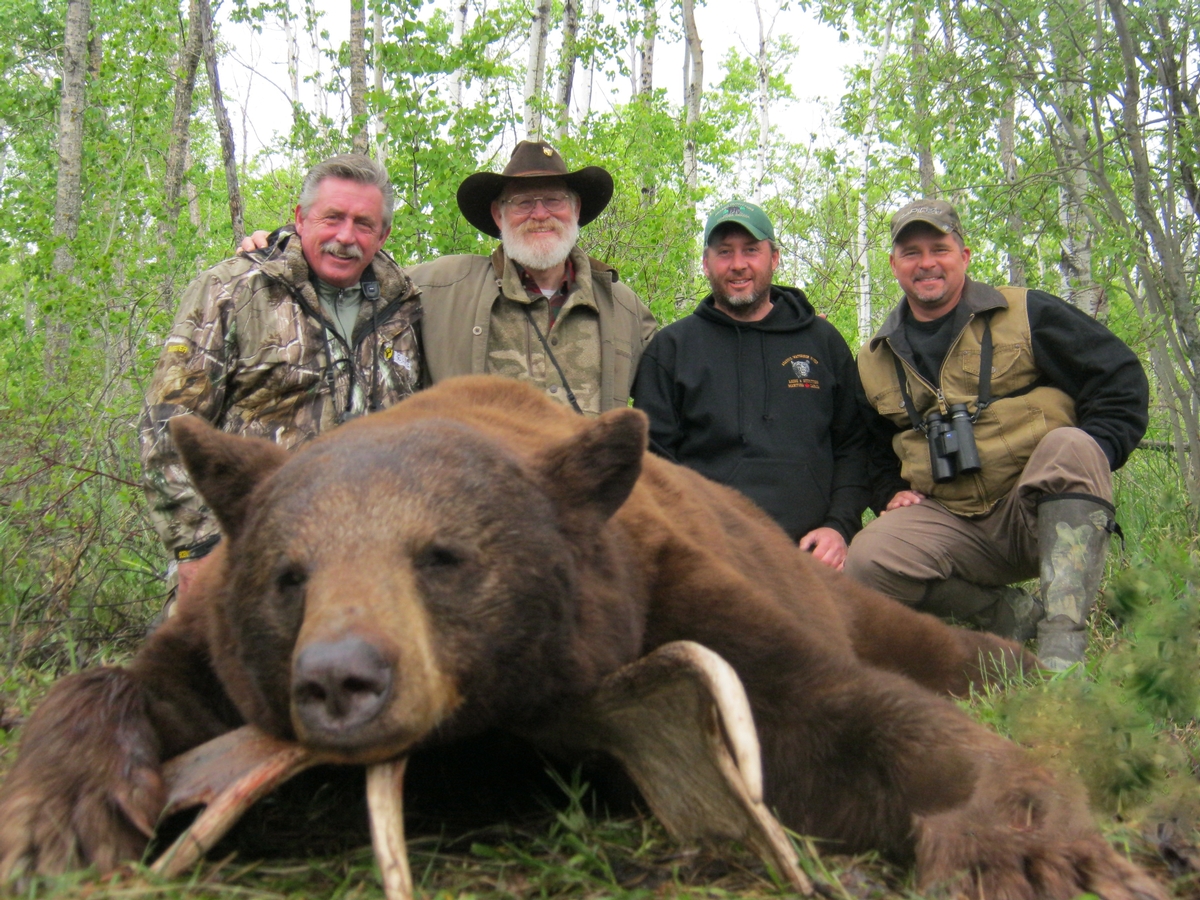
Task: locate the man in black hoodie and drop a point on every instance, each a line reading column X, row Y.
column 756, row 391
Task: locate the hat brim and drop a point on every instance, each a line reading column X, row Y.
column 475, row 195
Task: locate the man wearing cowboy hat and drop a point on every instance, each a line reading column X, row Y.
column 538, row 309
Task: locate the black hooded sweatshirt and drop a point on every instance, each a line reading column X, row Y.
column 766, row 407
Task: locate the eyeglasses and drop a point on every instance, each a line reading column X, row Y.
column 553, row 203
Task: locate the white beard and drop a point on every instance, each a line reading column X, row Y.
column 542, row 252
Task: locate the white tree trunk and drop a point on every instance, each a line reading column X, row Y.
column 377, row 69
column 68, row 198
column 646, row 52
column 566, row 67
column 693, row 78
column 920, row 95
column 293, row 54
column 313, row 16
column 1079, row 284
column 763, row 66
column 535, row 73
column 358, row 76
column 863, row 261
column 590, row 72
column 459, row 16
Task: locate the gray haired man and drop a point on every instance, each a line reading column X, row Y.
column 283, row 344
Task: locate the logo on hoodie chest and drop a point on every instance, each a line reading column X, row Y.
column 802, row 366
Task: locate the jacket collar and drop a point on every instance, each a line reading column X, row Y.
column 790, row 311
column 285, row 261
column 976, row 298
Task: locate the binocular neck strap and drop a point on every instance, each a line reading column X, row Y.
column 984, row 397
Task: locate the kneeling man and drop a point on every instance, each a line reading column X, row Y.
column 999, row 416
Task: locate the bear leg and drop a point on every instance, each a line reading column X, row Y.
column 86, row 788
column 874, row 761
column 943, row 658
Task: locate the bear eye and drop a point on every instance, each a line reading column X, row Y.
column 290, row 581
column 438, row 557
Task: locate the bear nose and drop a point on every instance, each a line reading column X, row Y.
column 339, row 686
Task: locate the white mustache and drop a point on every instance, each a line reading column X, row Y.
column 342, row 251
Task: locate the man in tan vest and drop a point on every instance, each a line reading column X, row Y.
column 999, row 415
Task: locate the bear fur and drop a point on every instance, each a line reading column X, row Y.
column 480, row 557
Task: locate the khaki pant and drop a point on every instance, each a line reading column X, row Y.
column 903, row 550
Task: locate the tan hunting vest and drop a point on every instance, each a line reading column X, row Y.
column 1020, row 415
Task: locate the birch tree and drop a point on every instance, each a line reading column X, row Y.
column 589, row 72
column 535, row 72
column 763, row 71
column 68, row 198
column 313, row 25
column 645, row 83
column 459, row 10
column 293, row 55
column 862, row 262
column 1008, row 162
column 358, row 76
column 228, row 153
column 1080, row 288
column 68, row 195
column 693, row 79
column 377, row 73
column 185, row 85
column 566, row 67
column 920, row 93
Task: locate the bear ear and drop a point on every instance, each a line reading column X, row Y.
column 225, row 469
column 592, row 473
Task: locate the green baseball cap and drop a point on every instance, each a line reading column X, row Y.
column 938, row 213
column 743, row 213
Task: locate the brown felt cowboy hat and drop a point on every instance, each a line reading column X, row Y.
column 533, row 159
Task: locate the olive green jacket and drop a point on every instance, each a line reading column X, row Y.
column 474, row 323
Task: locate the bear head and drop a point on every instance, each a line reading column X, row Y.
column 404, row 580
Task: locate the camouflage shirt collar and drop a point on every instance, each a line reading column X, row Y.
column 534, row 290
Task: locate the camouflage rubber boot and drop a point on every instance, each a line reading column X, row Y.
column 1006, row 611
column 1073, row 534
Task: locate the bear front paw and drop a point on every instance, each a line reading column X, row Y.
column 1023, row 836
column 86, row 788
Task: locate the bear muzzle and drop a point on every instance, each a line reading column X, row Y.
column 339, row 688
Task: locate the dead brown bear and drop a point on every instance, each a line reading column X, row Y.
column 479, row 556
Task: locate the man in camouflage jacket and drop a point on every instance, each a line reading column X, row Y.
column 284, row 344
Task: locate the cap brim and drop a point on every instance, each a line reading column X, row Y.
column 921, row 220
column 737, row 223
column 475, row 195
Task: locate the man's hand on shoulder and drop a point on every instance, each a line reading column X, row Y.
column 255, row 241
column 904, row 498
column 826, row 545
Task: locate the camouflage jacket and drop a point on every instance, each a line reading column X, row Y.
column 251, row 352
column 475, row 322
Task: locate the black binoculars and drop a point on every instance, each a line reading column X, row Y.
column 952, row 450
